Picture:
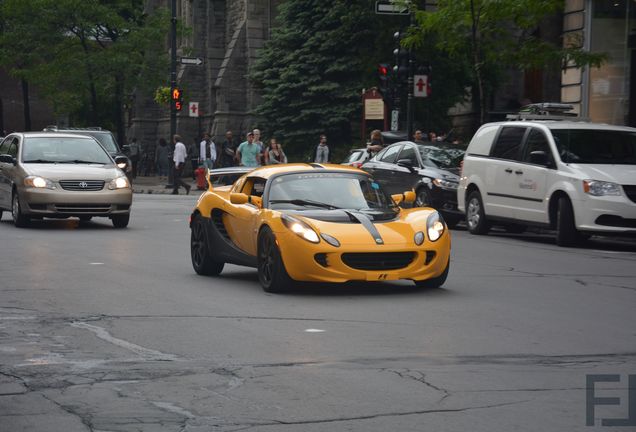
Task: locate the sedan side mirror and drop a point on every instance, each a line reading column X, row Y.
column 539, row 157
column 6, row 158
column 406, row 163
column 122, row 162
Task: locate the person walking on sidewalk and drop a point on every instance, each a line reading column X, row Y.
column 249, row 153
column 228, row 150
column 207, row 152
column 321, row 152
column 162, row 160
column 179, row 158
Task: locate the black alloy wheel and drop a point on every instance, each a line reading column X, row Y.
column 202, row 260
column 271, row 270
column 435, row 282
column 120, row 221
column 566, row 234
column 475, row 215
column 19, row 219
column 423, row 198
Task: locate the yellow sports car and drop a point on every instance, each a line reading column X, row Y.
column 320, row 223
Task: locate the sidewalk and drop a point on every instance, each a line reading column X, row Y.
column 152, row 185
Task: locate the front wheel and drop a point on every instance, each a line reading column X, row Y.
column 475, row 215
column 19, row 219
column 202, row 260
column 271, row 271
column 567, row 234
column 435, row 282
column 121, row 221
column 423, row 198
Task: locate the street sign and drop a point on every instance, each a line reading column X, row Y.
column 420, row 86
column 191, row 61
column 395, row 116
column 193, row 109
column 386, row 7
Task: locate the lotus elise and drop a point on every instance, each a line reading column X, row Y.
column 317, row 223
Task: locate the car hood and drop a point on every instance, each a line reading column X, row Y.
column 621, row 174
column 74, row 171
column 398, row 231
column 451, row 174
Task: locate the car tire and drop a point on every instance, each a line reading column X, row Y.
column 271, row 270
column 0, row 214
column 120, row 221
column 423, row 198
column 435, row 282
column 475, row 215
column 19, row 219
column 202, row 259
column 566, row 232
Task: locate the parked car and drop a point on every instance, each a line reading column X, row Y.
column 357, row 157
column 56, row 175
column 431, row 170
column 106, row 139
column 552, row 171
column 321, row 223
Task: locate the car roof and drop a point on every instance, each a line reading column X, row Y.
column 565, row 124
column 51, row 134
column 271, row 170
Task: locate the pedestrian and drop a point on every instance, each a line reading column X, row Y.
column 276, row 155
column 321, row 152
column 432, row 136
column 179, row 157
column 417, row 137
column 261, row 146
column 376, row 142
column 161, row 159
column 207, row 152
column 248, row 153
column 133, row 152
column 228, row 150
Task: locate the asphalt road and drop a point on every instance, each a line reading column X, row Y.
column 111, row 330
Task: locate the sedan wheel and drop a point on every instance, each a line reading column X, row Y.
column 423, row 198
column 202, row 260
column 19, row 219
column 271, row 270
column 475, row 215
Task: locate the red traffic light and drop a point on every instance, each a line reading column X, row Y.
column 383, row 70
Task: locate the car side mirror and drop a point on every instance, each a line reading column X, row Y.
column 6, row 158
column 539, row 157
column 239, row 198
column 122, row 162
column 406, row 163
column 407, row 197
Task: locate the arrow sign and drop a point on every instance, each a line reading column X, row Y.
column 387, row 7
column 191, row 60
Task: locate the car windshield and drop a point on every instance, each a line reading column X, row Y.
column 588, row 146
column 441, row 157
column 104, row 138
column 328, row 190
column 63, row 150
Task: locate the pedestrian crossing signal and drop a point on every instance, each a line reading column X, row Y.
column 177, row 99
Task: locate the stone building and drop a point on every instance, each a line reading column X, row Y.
column 227, row 35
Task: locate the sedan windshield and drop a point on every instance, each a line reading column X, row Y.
column 63, row 150
column 441, row 157
column 328, row 191
column 588, row 146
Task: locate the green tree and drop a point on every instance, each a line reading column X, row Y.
column 494, row 36
column 85, row 56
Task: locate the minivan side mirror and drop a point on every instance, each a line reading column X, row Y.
column 539, row 157
column 7, row 158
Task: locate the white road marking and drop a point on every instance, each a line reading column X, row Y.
column 97, row 263
column 314, row 330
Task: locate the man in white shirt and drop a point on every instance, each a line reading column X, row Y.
column 179, row 158
column 207, row 151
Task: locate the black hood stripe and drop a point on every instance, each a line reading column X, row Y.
column 366, row 222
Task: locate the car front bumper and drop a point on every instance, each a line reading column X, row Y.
column 62, row 203
column 605, row 214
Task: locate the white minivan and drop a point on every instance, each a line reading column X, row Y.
column 576, row 177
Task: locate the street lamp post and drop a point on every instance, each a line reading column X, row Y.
column 173, row 79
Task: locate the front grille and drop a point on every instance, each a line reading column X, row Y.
column 378, row 260
column 82, row 208
column 82, row 185
column 630, row 190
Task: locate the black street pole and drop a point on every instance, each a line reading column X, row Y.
column 173, row 82
column 409, row 99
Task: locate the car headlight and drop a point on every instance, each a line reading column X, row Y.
column 118, row 183
column 445, row 184
column 300, row 228
column 38, row 182
column 435, row 226
column 601, row 188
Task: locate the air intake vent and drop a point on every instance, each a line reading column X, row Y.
column 378, row 260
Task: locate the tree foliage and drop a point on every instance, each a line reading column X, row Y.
column 494, row 36
column 85, row 56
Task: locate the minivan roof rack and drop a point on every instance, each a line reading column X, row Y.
column 546, row 111
column 53, row 128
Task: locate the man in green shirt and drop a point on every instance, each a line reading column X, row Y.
column 249, row 153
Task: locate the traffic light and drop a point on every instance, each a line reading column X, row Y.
column 383, row 77
column 401, row 59
column 177, row 98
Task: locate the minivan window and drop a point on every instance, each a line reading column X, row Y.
column 508, row 144
column 537, row 141
column 589, row 146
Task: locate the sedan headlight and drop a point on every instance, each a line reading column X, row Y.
column 118, row 183
column 434, row 226
column 38, row 182
column 445, row 184
column 300, row 228
column 601, row 188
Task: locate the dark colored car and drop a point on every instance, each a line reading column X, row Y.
column 105, row 138
column 431, row 170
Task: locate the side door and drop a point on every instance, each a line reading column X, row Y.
column 531, row 178
column 8, row 147
column 241, row 219
column 382, row 167
column 404, row 178
column 502, row 172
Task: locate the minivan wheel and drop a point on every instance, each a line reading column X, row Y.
column 567, row 234
column 475, row 216
column 19, row 219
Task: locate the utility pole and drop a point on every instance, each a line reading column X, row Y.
column 409, row 84
column 173, row 84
